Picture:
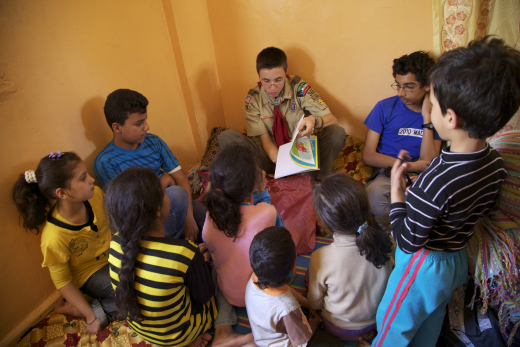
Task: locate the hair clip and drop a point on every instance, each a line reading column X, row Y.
column 55, row 155
column 30, row 176
column 362, row 227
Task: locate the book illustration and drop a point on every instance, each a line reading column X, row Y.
column 303, row 152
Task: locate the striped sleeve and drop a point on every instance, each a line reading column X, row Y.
column 412, row 222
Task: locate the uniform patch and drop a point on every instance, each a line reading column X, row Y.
column 313, row 95
column 303, row 88
column 290, row 93
column 248, row 99
column 247, row 108
column 78, row 245
column 293, row 106
column 321, row 102
column 267, row 117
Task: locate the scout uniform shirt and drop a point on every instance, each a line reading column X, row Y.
column 298, row 96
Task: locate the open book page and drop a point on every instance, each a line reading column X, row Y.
column 298, row 156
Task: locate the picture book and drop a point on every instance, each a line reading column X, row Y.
column 298, row 156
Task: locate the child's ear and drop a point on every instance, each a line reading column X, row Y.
column 427, row 88
column 61, row 193
column 116, row 127
column 452, row 120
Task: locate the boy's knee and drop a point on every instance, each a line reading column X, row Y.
column 177, row 195
column 228, row 137
column 336, row 135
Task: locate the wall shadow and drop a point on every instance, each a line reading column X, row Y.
column 96, row 128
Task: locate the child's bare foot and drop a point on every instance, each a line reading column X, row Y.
column 201, row 341
column 226, row 337
column 362, row 342
column 66, row 307
column 369, row 334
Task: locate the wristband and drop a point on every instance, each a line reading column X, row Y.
column 427, row 126
column 92, row 321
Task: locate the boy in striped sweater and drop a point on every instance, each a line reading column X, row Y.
column 474, row 93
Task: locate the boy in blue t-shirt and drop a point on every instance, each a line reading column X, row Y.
column 131, row 145
column 400, row 122
column 475, row 92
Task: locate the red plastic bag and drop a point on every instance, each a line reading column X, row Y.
column 292, row 197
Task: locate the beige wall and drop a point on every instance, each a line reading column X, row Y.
column 194, row 60
column 343, row 49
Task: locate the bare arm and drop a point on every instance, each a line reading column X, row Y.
column 190, row 230
column 72, row 294
column 269, row 147
column 429, row 146
column 370, row 154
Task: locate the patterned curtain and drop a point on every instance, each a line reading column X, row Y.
column 457, row 22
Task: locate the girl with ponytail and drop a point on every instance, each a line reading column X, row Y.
column 60, row 200
column 347, row 279
column 232, row 221
column 163, row 286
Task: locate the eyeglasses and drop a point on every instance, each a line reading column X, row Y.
column 275, row 83
column 407, row 88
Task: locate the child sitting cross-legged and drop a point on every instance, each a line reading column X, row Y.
column 347, row 278
column 272, row 306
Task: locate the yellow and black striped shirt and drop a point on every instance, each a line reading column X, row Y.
column 174, row 289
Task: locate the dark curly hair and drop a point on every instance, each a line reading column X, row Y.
column 342, row 205
column 270, row 58
column 272, row 254
column 33, row 200
column 121, row 103
column 480, row 83
column 132, row 200
column 417, row 63
column 233, row 174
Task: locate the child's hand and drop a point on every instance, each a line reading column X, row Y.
column 205, row 251
column 397, row 181
column 314, row 322
column 94, row 327
column 260, row 183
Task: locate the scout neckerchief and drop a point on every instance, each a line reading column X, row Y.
column 280, row 132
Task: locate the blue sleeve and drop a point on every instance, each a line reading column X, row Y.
column 265, row 197
column 168, row 160
column 375, row 119
column 103, row 170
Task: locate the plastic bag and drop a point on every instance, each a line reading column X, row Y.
column 292, row 197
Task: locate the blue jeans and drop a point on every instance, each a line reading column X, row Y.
column 99, row 287
column 174, row 225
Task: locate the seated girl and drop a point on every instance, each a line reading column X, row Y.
column 347, row 279
column 61, row 197
column 163, row 286
column 232, row 221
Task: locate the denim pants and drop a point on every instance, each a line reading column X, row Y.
column 99, row 287
column 174, row 225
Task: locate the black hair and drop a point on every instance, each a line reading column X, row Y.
column 270, row 58
column 233, row 174
column 480, row 83
column 121, row 103
column 132, row 201
column 272, row 254
column 417, row 63
column 33, row 200
column 342, row 205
